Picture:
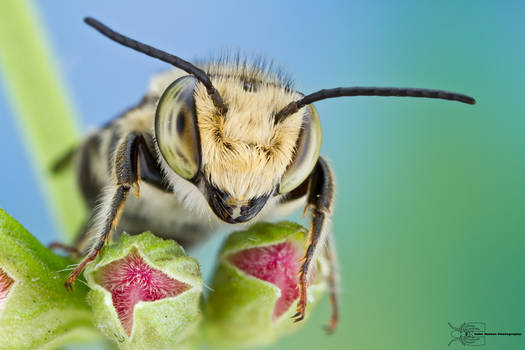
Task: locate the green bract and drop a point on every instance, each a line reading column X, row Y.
column 241, row 309
column 125, row 282
column 36, row 311
column 146, row 293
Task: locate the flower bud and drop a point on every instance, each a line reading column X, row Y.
column 254, row 291
column 145, row 293
column 36, row 311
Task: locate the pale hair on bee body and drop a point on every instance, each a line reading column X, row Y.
column 244, row 150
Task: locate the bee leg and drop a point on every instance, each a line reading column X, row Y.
column 333, row 282
column 73, row 251
column 115, row 206
column 126, row 176
column 64, row 161
column 320, row 197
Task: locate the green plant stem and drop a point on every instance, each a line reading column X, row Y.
column 44, row 115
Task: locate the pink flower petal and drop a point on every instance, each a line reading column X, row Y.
column 131, row 280
column 277, row 264
column 6, row 283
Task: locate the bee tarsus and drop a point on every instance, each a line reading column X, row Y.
column 319, row 200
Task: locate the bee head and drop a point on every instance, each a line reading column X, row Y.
column 241, row 157
column 242, row 140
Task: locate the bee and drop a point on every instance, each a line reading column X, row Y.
column 222, row 141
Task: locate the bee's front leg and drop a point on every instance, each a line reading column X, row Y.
column 126, row 176
column 319, row 200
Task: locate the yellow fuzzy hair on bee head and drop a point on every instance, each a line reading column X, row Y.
column 244, row 153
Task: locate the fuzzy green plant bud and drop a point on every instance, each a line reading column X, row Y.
column 145, row 293
column 36, row 311
column 254, row 290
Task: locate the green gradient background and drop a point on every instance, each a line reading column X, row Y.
column 431, row 209
column 430, row 214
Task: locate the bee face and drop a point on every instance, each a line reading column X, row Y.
column 240, row 159
column 227, row 136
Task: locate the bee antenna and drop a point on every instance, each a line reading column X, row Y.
column 293, row 107
column 163, row 56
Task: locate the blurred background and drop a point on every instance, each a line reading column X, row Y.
column 430, row 212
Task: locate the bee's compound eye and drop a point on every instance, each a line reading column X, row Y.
column 176, row 128
column 306, row 152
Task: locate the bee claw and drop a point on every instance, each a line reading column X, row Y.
column 332, row 325
column 69, row 285
column 296, row 315
column 301, row 304
column 330, row 328
column 299, row 318
column 78, row 270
